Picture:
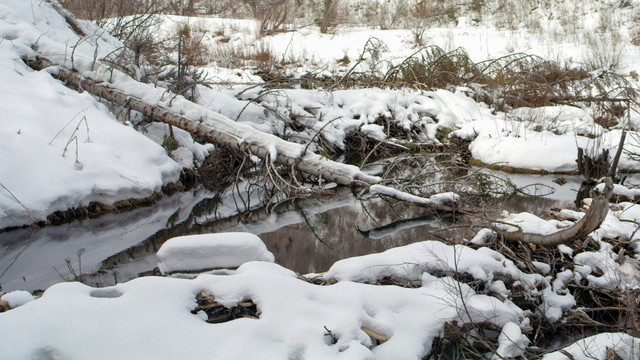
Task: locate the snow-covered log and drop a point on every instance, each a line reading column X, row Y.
column 204, row 123
column 161, row 105
column 595, row 215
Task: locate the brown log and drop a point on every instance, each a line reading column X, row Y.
column 591, row 221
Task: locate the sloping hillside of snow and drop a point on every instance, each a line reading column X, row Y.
column 63, row 149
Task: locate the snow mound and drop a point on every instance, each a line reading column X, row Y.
column 511, row 342
column 601, row 346
column 17, row 298
column 530, row 223
column 411, row 261
column 209, row 251
column 297, row 319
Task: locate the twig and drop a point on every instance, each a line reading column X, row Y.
column 18, row 200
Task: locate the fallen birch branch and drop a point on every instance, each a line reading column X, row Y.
column 444, row 201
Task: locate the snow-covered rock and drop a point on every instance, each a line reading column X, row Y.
column 599, row 347
column 209, row 251
column 17, row 298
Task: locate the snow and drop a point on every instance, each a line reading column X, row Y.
column 511, row 342
column 530, row 223
column 108, row 171
column 411, row 261
column 437, row 199
column 620, row 190
column 483, row 236
column 17, row 298
column 69, row 150
column 63, row 149
column 210, row 251
column 598, row 346
column 293, row 313
column 289, row 326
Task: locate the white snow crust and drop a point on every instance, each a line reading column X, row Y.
column 61, row 148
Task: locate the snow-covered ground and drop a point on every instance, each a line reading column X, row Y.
column 352, row 318
column 84, row 154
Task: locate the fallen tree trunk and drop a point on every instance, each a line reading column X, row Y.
column 595, row 215
column 174, row 110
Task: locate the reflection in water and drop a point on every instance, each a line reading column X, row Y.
column 314, row 244
column 305, row 235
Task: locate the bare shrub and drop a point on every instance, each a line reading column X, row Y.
column 272, row 14
column 329, row 16
column 386, row 15
column 477, row 6
column 192, row 45
column 635, row 37
column 184, row 7
column 260, row 56
column 432, row 67
column 224, row 8
column 605, row 51
column 510, row 14
column 191, row 52
column 131, row 21
column 100, row 10
column 418, row 20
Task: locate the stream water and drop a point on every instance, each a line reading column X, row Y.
column 305, row 235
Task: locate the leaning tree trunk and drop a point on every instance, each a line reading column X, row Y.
column 592, row 219
column 595, row 215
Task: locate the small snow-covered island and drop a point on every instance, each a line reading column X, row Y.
column 319, row 179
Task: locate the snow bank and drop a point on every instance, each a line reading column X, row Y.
column 409, row 262
column 63, row 149
column 210, row 251
column 294, row 315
